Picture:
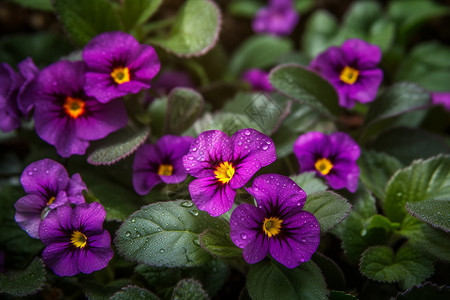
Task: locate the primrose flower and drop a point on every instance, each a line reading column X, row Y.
column 222, row 164
column 332, row 157
column 352, row 70
column 75, row 239
column 258, row 80
column 118, row 65
column 48, row 186
column 279, row 18
column 28, row 70
column 161, row 162
column 64, row 116
column 278, row 225
column 10, row 83
column 441, row 98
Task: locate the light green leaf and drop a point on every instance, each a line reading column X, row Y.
column 305, row 86
column 268, row 280
column 219, row 244
column 189, row 289
column 382, row 33
column 23, row 283
column 432, row 53
column 434, row 212
column 196, row 29
column 167, row 234
column 408, row 266
column 309, row 182
column 117, row 146
column 320, row 32
column 84, row 19
column 423, row 180
column 184, row 107
column 135, row 293
column 136, row 12
column 360, row 16
column 244, row 8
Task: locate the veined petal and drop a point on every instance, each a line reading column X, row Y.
column 256, row 250
column 43, row 176
column 245, row 222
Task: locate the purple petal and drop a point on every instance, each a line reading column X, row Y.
column 96, row 259
column 329, row 63
column 366, row 87
column 55, row 226
column 366, row 55
column 60, row 259
column 344, row 146
column 256, row 250
column 344, row 174
column 146, row 64
column 75, row 189
column 245, row 222
column 179, row 173
column 145, row 168
column 209, row 195
column 441, row 98
column 252, row 151
column 44, row 176
column 88, row 218
column 29, row 71
column 173, row 146
column 309, row 147
column 28, row 213
column 101, row 87
column 258, row 80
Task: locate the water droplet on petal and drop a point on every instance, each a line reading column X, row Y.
column 265, row 147
column 30, row 173
column 243, row 236
column 247, row 132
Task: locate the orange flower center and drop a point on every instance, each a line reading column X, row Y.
column 224, row 172
column 349, row 75
column 121, row 75
column 165, row 170
column 272, row 226
column 74, row 107
column 323, row 165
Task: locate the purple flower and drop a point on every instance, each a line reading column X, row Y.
column 330, row 156
column 279, row 18
column 118, row 65
column 258, row 80
column 352, row 70
column 10, row 82
column 28, row 70
column 161, row 162
column 64, row 116
column 48, row 186
column 278, row 225
column 223, row 164
column 441, row 98
column 75, row 239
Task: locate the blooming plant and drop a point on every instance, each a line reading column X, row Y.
column 242, row 149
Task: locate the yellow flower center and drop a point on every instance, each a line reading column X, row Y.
column 349, row 75
column 165, row 170
column 272, row 226
column 74, row 107
column 78, row 239
column 50, row 201
column 224, row 172
column 121, row 74
column 323, row 165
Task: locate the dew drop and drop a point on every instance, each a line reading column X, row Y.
column 243, row 236
column 159, row 229
column 196, row 242
column 194, row 149
column 133, row 220
column 161, row 250
column 47, row 171
column 30, row 173
column 265, row 147
column 239, row 143
column 127, row 234
column 268, row 142
column 193, row 212
column 187, row 203
column 247, row 132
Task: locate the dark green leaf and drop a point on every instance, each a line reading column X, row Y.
column 339, row 295
column 360, row 16
column 195, row 31
column 244, row 8
column 408, row 266
column 137, row 12
column 425, row 291
column 333, row 274
column 270, row 280
column 309, row 182
column 167, row 234
column 219, row 244
column 382, row 33
column 434, row 212
column 184, row 107
column 189, row 289
column 23, row 283
column 117, row 146
column 45, row 5
column 328, row 207
column 96, row 291
column 305, row 86
column 135, row 293
column 432, row 53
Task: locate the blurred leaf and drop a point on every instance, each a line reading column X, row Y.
column 135, row 293
column 219, row 244
column 244, row 8
column 184, row 107
column 328, row 207
column 408, row 266
column 305, row 86
column 320, row 32
column 271, row 280
column 84, row 19
column 304, row 118
column 359, row 18
column 432, row 53
column 309, row 182
column 117, row 146
column 303, row 6
column 422, row 180
column 195, row 31
column 189, row 289
column 96, row 291
column 434, row 212
column 23, row 283
column 339, row 295
column 382, row 33
column 167, row 234
column 333, row 274
column 425, row 291
column 136, row 12
column 45, row 5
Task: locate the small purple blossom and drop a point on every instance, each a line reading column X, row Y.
column 332, row 157
column 28, row 70
column 222, row 164
column 161, row 162
column 352, row 70
column 258, row 79
column 75, row 239
column 118, row 65
column 10, row 82
column 65, row 116
column 441, row 98
column 279, row 18
column 48, row 186
column 278, row 225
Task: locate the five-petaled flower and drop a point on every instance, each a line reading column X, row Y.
column 279, row 18
column 161, row 162
column 48, row 186
column 278, row 225
column 75, row 239
column 118, row 65
column 222, row 164
column 330, row 156
column 352, row 70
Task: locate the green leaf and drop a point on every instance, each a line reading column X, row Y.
column 45, row 5
column 271, row 280
column 23, row 283
column 117, row 146
column 333, row 274
column 84, row 19
column 423, row 180
column 360, row 17
column 309, row 182
column 189, row 289
column 219, row 244
column 136, row 12
column 96, row 291
column 320, row 32
column 376, row 169
column 305, row 86
column 425, row 291
column 196, row 29
column 260, row 52
column 167, row 234
column 382, row 33
column 134, row 292
column 432, row 53
column 244, row 8
column 434, row 212
column 184, row 107
column 340, row 295
column 408, row 266
column 328, row 207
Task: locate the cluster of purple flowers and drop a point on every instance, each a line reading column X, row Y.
column 54, row 210
column 278, row 18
